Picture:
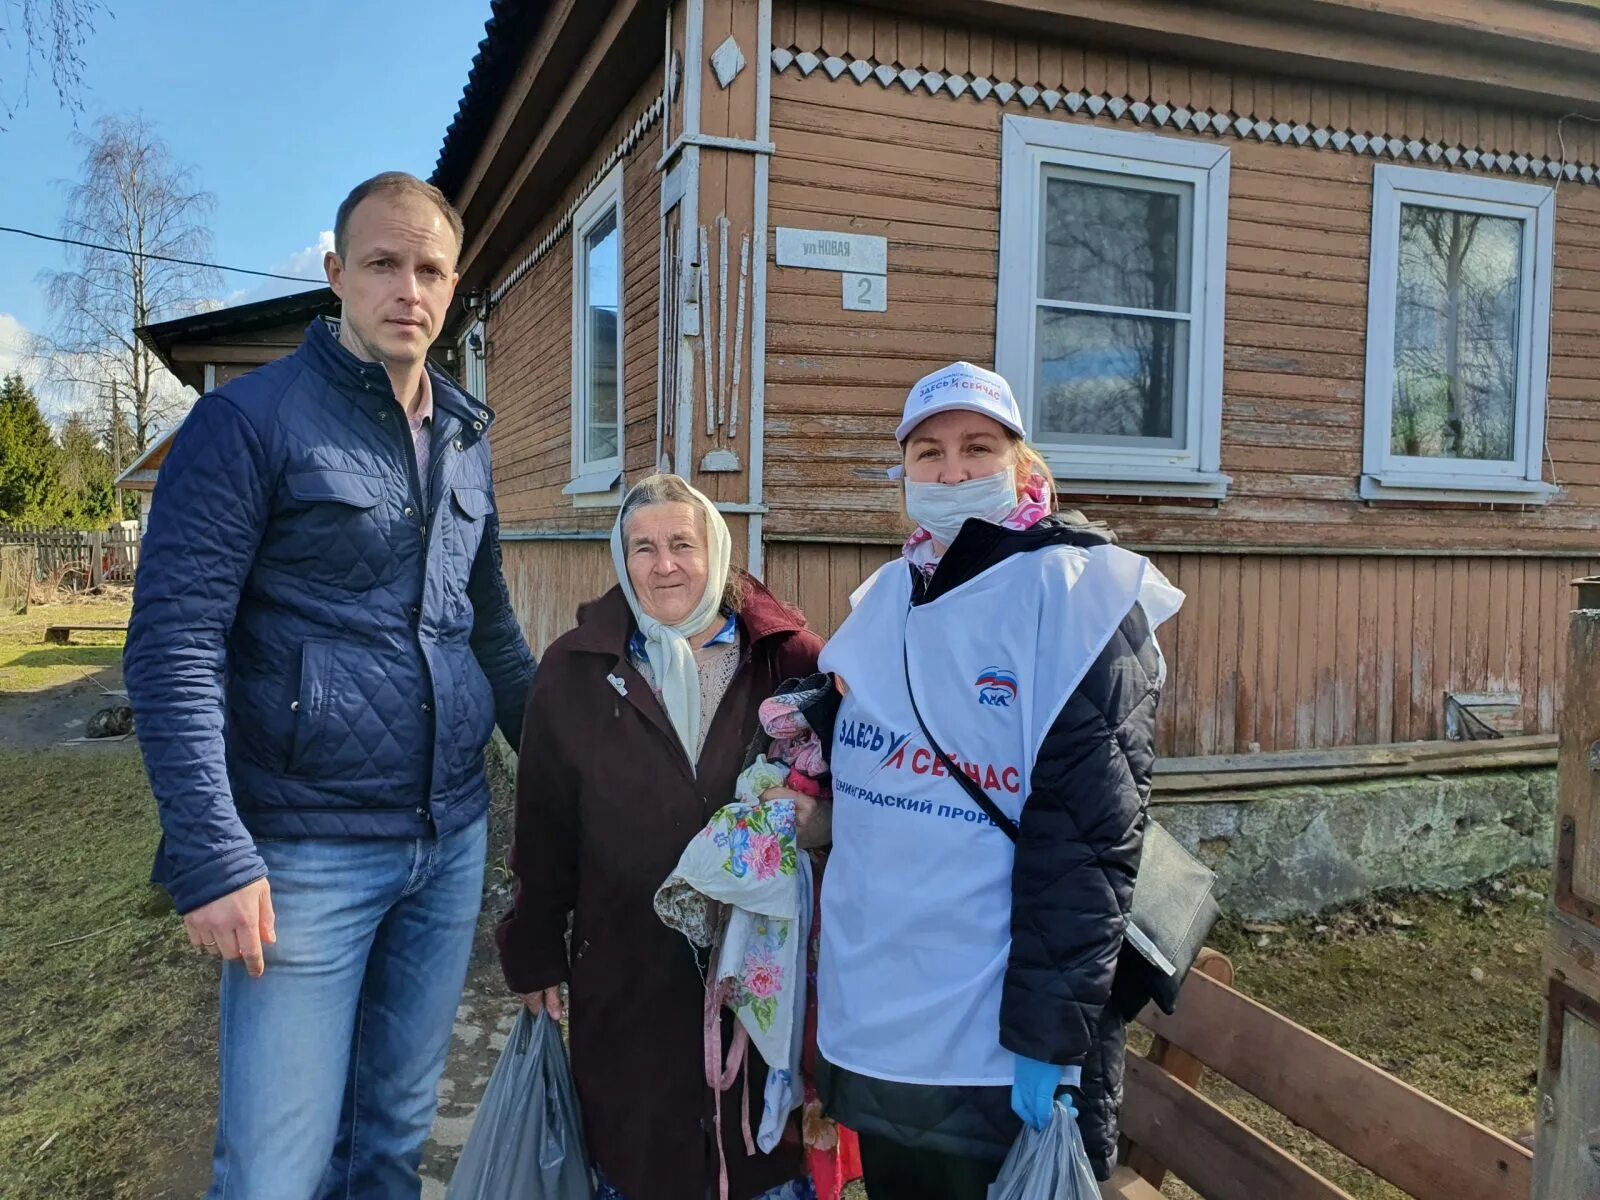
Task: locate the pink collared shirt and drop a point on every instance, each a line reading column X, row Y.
column 421, row 423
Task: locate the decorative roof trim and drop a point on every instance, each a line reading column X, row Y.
column 621, row 150
column 1181, row 118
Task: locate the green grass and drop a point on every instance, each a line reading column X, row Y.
column 108, row 1042
column 1392, row 980
column 27, row 664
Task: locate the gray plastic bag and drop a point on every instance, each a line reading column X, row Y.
column 526, row 1142
column 1048, row 1164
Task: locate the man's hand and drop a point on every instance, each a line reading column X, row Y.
column 548, row 1000
column 236, row 926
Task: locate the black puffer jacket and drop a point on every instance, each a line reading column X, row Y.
column 1072, row 888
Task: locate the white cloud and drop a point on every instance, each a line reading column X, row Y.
column 16, row 352
column 308, row 262
column 305, row 263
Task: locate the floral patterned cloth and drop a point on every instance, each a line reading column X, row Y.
column 745, row 865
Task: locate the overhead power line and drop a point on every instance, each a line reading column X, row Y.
column 186, row 262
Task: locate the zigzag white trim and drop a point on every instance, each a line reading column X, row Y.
column 622, row 149
column 1203, row 121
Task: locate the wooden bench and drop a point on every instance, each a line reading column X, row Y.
column 1424, row 1148
column 61, row 635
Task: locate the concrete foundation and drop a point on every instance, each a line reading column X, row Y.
column 1285, row 852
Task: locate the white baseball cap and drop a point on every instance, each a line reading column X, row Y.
column 965, row 387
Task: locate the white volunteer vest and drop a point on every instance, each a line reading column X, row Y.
column 916, row 901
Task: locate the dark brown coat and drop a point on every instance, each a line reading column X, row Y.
column 606, row 803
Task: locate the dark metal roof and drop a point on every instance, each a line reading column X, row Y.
column 241, row 318
column 507, row 34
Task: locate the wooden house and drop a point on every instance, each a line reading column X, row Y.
column 1299, row 298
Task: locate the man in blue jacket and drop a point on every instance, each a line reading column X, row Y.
column 320, row 648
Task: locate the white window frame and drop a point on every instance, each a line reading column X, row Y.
column 594, row 480
column 1029, row 146
column 474, row 363
column 1390, row 476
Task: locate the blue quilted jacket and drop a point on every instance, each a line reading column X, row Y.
column 320, row 646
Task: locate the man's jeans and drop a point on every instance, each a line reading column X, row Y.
column 331, row 1060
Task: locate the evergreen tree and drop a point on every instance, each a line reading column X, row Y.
column 88, row 498
column 30, row 460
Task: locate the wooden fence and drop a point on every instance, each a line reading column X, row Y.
column 76, row 558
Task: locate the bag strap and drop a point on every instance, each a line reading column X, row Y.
column 979, row 796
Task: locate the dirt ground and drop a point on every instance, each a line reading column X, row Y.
column 48, row 693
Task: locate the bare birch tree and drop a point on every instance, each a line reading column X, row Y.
column 48, row 35
column 135, row 199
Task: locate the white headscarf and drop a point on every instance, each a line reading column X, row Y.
column 667, row 646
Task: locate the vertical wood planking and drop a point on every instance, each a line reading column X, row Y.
column 886, row 39
column 1324, row 616
column 1405, row 640
column 1268, row 636
column 1425, row 630
column 1462, row 571
column 1518, row 623
column 1443, row 640
column 1347, row 651
column 1290, row 650
column 1499, row 617
column 1553, row 646
column 814, row 583
column 781, row 575
column 1476, row 666
column 1383, row 649
column 1368, row 696
column 1167, row 637
column 1224, row 735
column 835, row 30
column 1207, row 660
column 1250, row 633
column 862, row 31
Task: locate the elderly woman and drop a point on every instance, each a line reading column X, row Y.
column 636, row 730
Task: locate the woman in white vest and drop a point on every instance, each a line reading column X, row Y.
column 966, row 978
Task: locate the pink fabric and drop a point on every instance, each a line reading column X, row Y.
column 806, row 785
column 781, row 719
column 720, row 1076
column 1032, row 507
column 421, row 435
column 795, row 743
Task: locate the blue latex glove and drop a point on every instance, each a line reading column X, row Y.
column 1033, row 1090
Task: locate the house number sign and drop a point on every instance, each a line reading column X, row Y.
column 861, row 259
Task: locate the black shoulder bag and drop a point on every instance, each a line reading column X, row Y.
column 1174, row 901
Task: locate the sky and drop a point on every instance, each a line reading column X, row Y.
column 279, row 109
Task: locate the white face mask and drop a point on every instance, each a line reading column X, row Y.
column 942, row 508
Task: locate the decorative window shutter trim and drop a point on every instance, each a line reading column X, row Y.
column 1397, row 146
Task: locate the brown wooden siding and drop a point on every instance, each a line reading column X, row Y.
column 923, row 171
column 530, row 338
column 549, row 579
column 1286, row 652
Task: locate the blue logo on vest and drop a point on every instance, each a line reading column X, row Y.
column 997, row 687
